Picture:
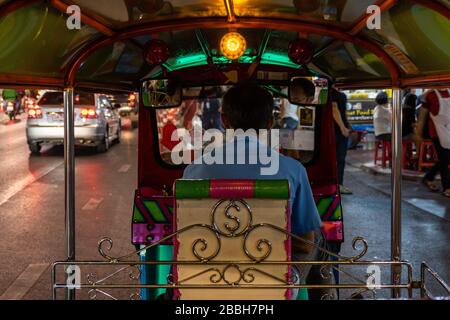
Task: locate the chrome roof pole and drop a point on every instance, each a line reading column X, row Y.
column 69, row 175
column 396, row 185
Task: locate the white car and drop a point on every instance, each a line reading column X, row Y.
column 97, row 123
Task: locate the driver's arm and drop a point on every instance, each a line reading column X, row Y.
column 302, row 247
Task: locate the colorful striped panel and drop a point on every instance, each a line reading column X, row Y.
column 330, row 211
column 226, row 189
column 329, row 208
column 152, row 219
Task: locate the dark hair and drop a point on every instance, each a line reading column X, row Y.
column 382, row 98
column 410, row 100
column 248, row 107
column 308, row 86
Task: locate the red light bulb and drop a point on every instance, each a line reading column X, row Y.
column 301, row 51
column 157, row 52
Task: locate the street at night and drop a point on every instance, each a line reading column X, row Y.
column 232, row 150
column 32, row 211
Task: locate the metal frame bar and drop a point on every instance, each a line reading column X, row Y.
column 424, row 293
column 103, row 283
column 229, row 6
column 396, row 187
column 69, row 178
column 278, row 24
column 251, row 23
column 261, row 50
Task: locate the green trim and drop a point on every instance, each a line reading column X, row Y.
column 324, row 204
column 192, row 189
column 155, row 211
column 137, row 215
column 271, row 189
column 337, row 215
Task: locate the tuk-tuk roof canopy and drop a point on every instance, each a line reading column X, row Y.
column 412, row 48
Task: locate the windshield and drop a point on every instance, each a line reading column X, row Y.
column 201, row 111
column 57, row 98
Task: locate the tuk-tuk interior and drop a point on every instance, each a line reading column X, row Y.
column 121, row 44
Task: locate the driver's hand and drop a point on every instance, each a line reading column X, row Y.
column 345, row 132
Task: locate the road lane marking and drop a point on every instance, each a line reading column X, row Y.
column 24, row 282
column 92, row 204
column 125, row 168
column 19, row 185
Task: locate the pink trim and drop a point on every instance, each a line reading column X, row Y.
column 176, row 248
column 232, row 189
column 288, row 246
column 333, row 231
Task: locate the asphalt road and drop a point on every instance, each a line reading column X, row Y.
column 32, row 204
column 32, row 212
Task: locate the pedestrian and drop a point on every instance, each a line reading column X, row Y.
column 436, row 107
column 408, row 115
column 211, row 109
column 342, row 131
column 382, row 117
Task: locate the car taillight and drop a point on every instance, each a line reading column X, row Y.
column 88, row 113
column 34, row 113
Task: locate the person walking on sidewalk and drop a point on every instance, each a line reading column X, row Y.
column 382, row 117
column 341, row 133
column 436, row 105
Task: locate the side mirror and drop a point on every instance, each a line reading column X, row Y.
column 308, row 91
column 161, row 93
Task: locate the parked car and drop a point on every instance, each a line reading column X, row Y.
column 97, row 123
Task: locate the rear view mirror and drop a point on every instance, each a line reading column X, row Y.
column 161, row 93
column 308, row 91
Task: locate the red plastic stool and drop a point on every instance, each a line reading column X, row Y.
column 407, row 154
column 427, row 155
column 385, row 147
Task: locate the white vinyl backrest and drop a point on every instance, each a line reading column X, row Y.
column 202, row 243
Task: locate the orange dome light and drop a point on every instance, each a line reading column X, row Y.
column 233, row 45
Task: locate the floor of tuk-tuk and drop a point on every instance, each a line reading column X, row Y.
column 32, row 213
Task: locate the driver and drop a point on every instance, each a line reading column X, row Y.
column 251, row 107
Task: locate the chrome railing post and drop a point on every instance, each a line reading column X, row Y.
column 69, row 174
column 396, row 185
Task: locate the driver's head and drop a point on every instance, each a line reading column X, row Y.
column 247, row 107
column 302, row 91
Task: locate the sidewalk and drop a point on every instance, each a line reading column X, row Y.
column 413, row 191
column 363, row 159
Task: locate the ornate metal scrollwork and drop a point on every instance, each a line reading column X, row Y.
column 237, row 222
column 202, row 245
column 134, row 274
column 246, row 276
column 262, row 245
column 234, row 227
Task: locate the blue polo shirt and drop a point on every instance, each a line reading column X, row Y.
column 304, row 214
